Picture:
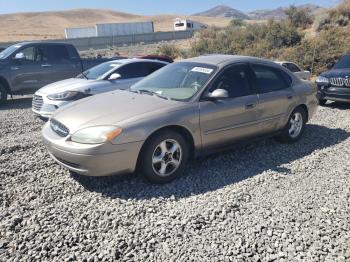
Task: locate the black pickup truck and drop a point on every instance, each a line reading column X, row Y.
column 334, row 85
column 26, row 67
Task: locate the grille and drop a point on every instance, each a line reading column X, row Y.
column 59, row 128
column 340, row 81
column 37, row 102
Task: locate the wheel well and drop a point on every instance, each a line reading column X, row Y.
column 4, row 82
column 178, row 129
column 303, row 106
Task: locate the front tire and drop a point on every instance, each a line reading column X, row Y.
column 164, row 157
column 3, row 95
column 294, row 129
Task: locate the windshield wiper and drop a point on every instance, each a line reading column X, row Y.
column 149, row 92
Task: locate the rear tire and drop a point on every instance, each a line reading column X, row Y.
column 322, row 102
column 164, row 157
column 3, row 95
column 294, row 129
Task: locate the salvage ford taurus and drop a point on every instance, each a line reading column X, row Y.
column 181, row 111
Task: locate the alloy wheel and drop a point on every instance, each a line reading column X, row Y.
column 166, row 157
column 295, row 124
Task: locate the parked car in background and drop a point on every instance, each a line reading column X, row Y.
column 334, row 85
column 28, row 66
column 163, row 58
column 108, row 76
column 185, row 109
column 296, row 69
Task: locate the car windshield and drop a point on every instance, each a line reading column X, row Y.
column 8, row 51
column 344, row 62
column 179, row 81
column 97, row 72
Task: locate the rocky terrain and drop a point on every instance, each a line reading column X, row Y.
column 260, row 202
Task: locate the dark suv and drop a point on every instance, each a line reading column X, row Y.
column 334, row 84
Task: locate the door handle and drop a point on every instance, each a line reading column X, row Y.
column 250, row 105
column 45, row 65
column 290, row 97
column 14, row 67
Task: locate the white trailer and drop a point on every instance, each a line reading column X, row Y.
column 118, row 29
column 81, row 32
column 186, row 24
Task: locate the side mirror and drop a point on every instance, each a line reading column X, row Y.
column 19, row 56
column 114, row 76
column 218, row 94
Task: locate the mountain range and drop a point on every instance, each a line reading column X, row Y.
column 229, row 12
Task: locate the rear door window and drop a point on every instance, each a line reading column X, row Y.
column 269, row 79
column 56, row 53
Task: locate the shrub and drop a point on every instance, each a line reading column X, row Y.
column 322, row 21
column 170, row 50
column 319, row 52
column 338, row 16
column 253, row 39
column 237, row 22
column 299, row 17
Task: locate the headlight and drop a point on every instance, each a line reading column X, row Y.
column 322, row 80
column 96, row 135
column 67, row 95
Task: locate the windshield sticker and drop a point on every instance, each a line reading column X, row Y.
column 202, row 70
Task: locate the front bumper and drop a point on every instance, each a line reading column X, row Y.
column 91, row 160
column 45, row 107
column 341, row 94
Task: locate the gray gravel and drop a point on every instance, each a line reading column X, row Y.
column 261, row 202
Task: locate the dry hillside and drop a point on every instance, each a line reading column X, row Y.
column 51, row 25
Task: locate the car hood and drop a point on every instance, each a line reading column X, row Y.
column 72, row 84
column 111, row 109
column 337, row 73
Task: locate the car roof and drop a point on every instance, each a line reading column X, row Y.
column 222, row 60
column 282, row 62
column 41, row 42
column 133, row 60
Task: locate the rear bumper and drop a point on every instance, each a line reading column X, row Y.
column 341, row 94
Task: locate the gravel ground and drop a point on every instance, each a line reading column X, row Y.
column 261, row 202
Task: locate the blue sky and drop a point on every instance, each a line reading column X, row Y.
column 148, row 7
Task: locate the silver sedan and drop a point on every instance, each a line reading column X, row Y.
column 108, row 76
column 183, row 110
